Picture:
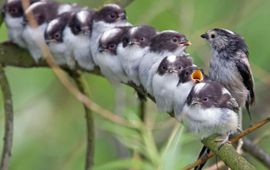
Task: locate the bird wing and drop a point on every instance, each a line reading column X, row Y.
column 227, row 101
column 243, row 67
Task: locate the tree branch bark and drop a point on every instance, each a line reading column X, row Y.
column 228, row 154
column 8, row 133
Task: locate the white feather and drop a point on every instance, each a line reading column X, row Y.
column 111, row 68
column 15, row 29
column 82, row 15
column 130, row 58
column 199, row 87
column 163, row 90
column 207, row 121
column 80, row 46
column 180, row 95
column 52, row 24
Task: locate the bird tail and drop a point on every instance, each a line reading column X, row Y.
column 204, row 151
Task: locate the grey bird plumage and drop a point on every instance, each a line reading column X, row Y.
column 230, row 66
column 77, row 37
column 107, row 58
column 163, row 44
column 165, row 80
column 54, row 37
column 210, row 109
column 187, row 78
column 133, row 48
column 106, row 18
column 43, row 12
column 13, row 16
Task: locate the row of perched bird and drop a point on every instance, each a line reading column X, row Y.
column 155, row 60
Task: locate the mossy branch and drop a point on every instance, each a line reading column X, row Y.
column 8, row 109
column 228, row 154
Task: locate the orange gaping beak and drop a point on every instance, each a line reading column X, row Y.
column 197, row 75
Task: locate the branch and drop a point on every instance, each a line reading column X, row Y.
column 233, row 140
column 228, row 154
column 8, row 134
column 90, row 128
column 256, row 152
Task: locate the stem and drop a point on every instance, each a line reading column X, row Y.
column 8, row 134
column 90, row 132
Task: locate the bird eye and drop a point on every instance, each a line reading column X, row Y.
column 179, row 68
column 13, row 10
column 113, row 16
column 142, row 39
column 112, row 46
column 205, row 99
column 175, row 40
column 56, row 36
column 213, row 36
column 163, row 68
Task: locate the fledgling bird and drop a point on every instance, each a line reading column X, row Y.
column 166, row 79
column 42, row 12
column 211, row 109
column 54, row 37
column 133, row 49
column 77, row 37
column 230, row 66
column 106, row 18
column 187, row 78
column 164, row 44
column 13, row 16
column 107, row 58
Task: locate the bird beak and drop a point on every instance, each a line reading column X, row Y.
column 122, row 16
column 100, row 49
column 205, row 36
column 85, row 30
column 187, row 43
column 195, row 102
column 172, row 70
column 197, row 75
column 50, row 41
column 133, row 43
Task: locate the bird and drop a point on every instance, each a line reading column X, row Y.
column 54, row 37
column 13, row 13
column 229, row 65
column 187, row 78
column 166, row 79
column 42, row 12
column 77, row 37
column 133, row 48
column 107, row 58
column 106, row 18
column 210, row 109
column 163, row 44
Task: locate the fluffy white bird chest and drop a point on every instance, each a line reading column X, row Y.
column 163, row 90
column 207, row 121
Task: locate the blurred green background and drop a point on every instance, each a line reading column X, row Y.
column 49, row 123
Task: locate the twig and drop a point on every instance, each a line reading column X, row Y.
column 256, row 152
column 90, row 128
column 233, row 140
column 8, row 134
column 141, row 106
